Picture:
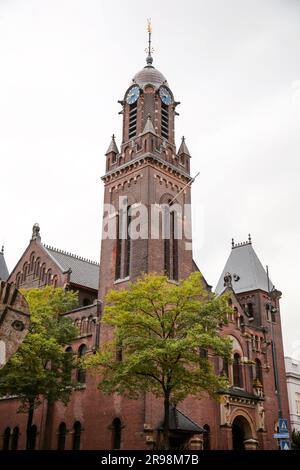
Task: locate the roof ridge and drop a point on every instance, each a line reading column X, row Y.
column 58, row 250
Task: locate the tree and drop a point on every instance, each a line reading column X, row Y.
column 295, row 439
column 160, row 331
column 41, row 368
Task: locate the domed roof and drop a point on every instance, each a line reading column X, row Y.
column 151, row 75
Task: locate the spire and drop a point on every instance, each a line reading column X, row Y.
column 36, row 232
column 149, row 126
column 3, row 268
column 183, row 148
column 149, row 49
column 112, row 146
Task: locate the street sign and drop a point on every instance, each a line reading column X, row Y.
column 285, row 445
column 283, row 426
column 281, row 435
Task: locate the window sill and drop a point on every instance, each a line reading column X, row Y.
column 124, row 279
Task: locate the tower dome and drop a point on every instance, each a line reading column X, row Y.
column 149, row 75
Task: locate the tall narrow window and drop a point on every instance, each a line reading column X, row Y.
column 81, row 373
column 206, row 437
column 127, row 246
column 76, row 435
column 164, row 121
column 15, row 438
column 166, row 235
column 258, row 371
column 237, row 371
column 116, row 433
column 118, row 249
column 61, row 439
column 6, row 439
column 132, row 120
column 174, row 246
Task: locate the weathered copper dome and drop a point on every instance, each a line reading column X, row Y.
column 149, row 75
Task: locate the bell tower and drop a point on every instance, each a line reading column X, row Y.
column 147, row 187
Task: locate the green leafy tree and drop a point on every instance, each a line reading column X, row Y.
column 41, row 368
column 295, row 439
column 160, row 331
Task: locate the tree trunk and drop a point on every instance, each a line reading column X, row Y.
column 48, row 425
column 29, row 424
column 166, row 437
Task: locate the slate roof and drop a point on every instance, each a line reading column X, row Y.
column 246, row 269
column 183, row 150
column 178, row 421
column 84, row 272
column 149, row 126
column 112, row 146
column 3, row 268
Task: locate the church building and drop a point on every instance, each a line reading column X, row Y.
column 148, row 170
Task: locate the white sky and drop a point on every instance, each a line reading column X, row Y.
column 233, row 64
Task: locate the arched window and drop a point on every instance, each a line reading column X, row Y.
column 237, row 371
column 69, row 365
column 15, row 438
column 258, row 371
column 31, row 265
column 127, row 245
column 25, row 271
column 32, row 437
column 83, row 326
column 206, row 437
column 49, row 274
column 6, row 439
column 170, row 243
column 116, row 433
column 164, row 121
column 61, row 439
column 90, row 323
column 76, row 435
column 132, row 120
column 54, row 281
column 37, row 267
column 250, row 309
column 43, row 272
column 18, row 280
column 118, row 248
column 81, row 373
column 225, row 368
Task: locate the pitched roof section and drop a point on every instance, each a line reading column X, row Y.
column 178, row 421
column 183, row 150
column 84, row 272
column 246, row 270
column 112, row 146
column 3, row 268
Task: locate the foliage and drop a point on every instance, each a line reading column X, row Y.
column 161, row 329
column 40, row 367
column 295, row 439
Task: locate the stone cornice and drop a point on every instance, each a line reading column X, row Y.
column 145, row 158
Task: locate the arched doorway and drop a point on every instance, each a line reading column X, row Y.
column 241, row 431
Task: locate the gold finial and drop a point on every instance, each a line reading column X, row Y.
column 149, row 25
column 149, row 49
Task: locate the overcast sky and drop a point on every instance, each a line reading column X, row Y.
column 233, row 64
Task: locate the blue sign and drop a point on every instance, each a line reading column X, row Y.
column 283, row 426
column 281, row 436
column 285, row 445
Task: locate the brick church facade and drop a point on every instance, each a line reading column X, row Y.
column 146, row 172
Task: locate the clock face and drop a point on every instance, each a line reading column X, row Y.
column 133, row 95
column 165, row 95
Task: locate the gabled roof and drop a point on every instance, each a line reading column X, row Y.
column 178, row 421
column 246, row 270
column 3, row 268
column 84, row 272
